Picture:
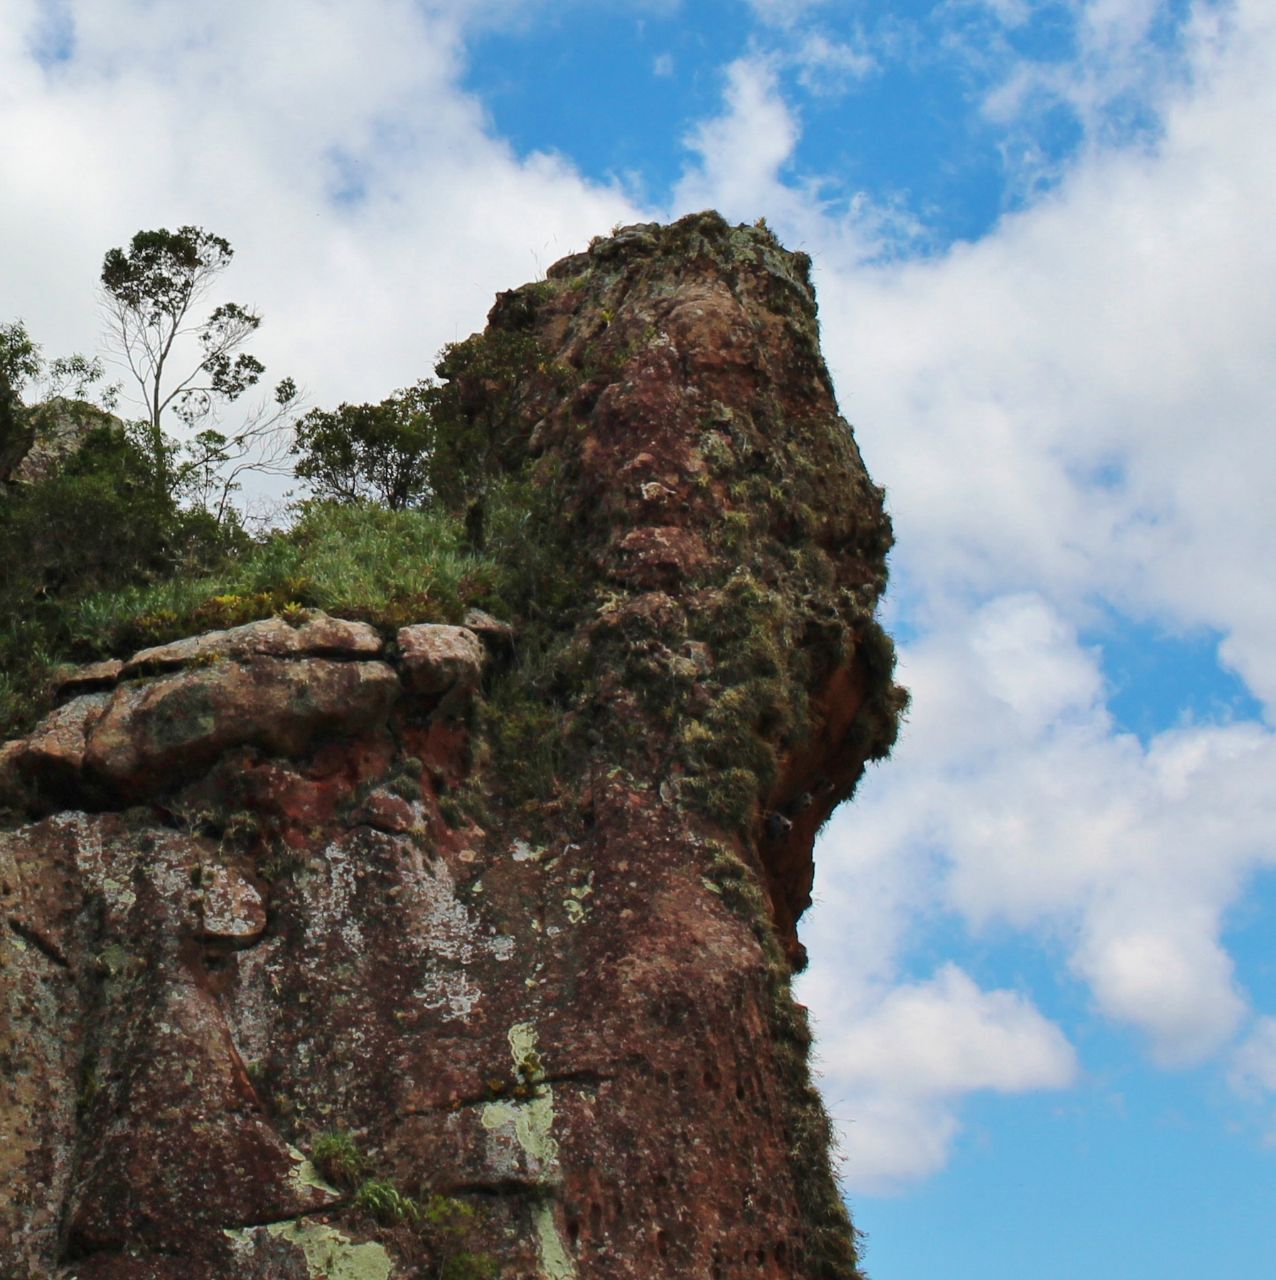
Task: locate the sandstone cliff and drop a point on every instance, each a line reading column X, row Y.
column 345, row 951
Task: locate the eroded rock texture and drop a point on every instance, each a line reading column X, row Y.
column 510, row 903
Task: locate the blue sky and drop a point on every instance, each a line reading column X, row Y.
column 1042, row 968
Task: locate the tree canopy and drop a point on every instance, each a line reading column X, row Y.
column 371, row 452
column 194, row 366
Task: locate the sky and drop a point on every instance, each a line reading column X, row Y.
column 1041, row 973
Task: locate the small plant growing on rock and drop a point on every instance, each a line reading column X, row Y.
column 386, row 1203
column 405, row 779
column 338, row 1159
column 446, row 1223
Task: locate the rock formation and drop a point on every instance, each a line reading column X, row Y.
column 464, row 949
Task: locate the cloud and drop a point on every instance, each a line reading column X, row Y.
column 374, row 213
column 742, row 167
column 742, row 151
column 895, row 1069
column 782, row 13
column 946, row 1036
column 1254, row 1063
column 827, row 66
column 1253, row 1074
column 1078, row 403
column 1013, row 808
column 1129, row 854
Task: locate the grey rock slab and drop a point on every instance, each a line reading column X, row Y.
column 318, row 636
column 156, row 733
column 439, row 658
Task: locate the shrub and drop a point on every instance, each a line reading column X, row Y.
column 337, row 1158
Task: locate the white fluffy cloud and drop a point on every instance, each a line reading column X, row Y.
column 895, row 1068
column 374, row 212
column 1011, row 803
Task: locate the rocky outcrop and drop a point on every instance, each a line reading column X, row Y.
column 36, row 441
column 465, row 949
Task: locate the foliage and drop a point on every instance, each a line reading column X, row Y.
column 193, row 366
column 338, row 1159
column 96, row 524
column 442, row 1225
column 390, row 568
column 456, row 445
column 19, row 360
column 371, row 452
column 19, row 356
column 479, row 434
column 384, row 1201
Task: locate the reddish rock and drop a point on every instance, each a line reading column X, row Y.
column 232, row 909
column 89, row 679
column 531, row 953
column 54, row 753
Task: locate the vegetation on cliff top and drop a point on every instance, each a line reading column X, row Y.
column 122, row 538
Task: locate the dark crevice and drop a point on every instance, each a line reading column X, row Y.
column 502, row 1188
column 586, row 1077
column 41, row 944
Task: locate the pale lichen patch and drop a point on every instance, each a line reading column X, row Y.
column 530, row 1122
column 328, row 1254
column 304, row 1176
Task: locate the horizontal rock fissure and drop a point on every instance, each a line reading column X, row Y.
column 506, row 1188
column 586, row 1077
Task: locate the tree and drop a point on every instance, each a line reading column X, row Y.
column 19, row 362
column 371, row 452
column 193, row 366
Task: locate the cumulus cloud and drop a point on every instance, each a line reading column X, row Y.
column 741, row 151
column 374, row 212
column 1078, row 403
column 742, row 166
column 1013, row 804
column 894, row 1069
column 946, row 1036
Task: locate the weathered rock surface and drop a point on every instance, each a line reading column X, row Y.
column 49, row 435
column 515, row 909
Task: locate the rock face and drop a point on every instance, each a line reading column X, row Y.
column 503, row 918
column 36, row 445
